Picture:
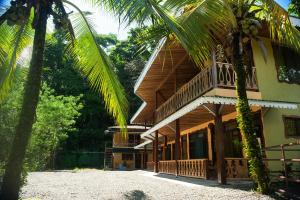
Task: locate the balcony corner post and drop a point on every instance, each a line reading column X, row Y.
column 214, row 70
column 177, row 145
column 156, row 152
column 219, row 131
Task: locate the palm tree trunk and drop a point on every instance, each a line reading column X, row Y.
column 11, row 181
column 245, row 120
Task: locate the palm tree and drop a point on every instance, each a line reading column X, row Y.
column 294, row 7
column 199, row 25
column 18, row 24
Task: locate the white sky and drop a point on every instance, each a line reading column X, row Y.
column 105, row 22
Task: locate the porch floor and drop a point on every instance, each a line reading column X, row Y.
column 139, row 185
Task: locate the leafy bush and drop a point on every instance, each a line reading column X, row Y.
column 55, row 118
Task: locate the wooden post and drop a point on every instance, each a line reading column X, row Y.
column 172, row 158
column 144, row 158
column 177, row 144
column 219, row 131
column 177, row 141
column 156, row 152
column 188, row 145
column 284, row 166
column 165, row 147
column 210, row 141
column 214, row 70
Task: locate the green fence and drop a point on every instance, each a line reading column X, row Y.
column 71, row 160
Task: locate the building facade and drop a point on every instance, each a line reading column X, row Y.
column 120, row 154
column 192, row 111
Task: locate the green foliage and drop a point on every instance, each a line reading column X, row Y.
column 96, row 67
column 9, row 112
column 294, row 8
column 55, row 118
column 61, row 75
column 129, row 58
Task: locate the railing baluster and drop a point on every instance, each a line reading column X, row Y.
column 219, row 74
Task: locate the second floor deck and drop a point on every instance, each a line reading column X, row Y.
column 218, row 75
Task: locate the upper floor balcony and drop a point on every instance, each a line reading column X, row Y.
column 126, row 144
column 218, row 75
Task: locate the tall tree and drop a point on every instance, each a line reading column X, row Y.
column 294, row 8
column 198, row 25
column 24, row 17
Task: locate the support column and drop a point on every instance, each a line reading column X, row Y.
column 156, row 152
column 177, row 144
column 144, row 158
column 210, row 130
column 165, row 147
column 188, row 145
column 219, row 132
column 172, row 149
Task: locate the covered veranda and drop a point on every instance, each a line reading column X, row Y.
column 202, row 139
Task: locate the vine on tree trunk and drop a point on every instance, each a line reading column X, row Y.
column 251, row 149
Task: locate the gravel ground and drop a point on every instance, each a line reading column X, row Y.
column 130, row 185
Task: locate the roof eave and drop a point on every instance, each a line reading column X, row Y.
column 149, row 63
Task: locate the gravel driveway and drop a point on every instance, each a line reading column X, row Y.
column 130, row 185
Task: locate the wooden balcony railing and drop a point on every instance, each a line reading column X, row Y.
column 236, row 168
column 126, row 144
column 218, row 75
column 192, row 168
column 168, row 167
column 150, row 165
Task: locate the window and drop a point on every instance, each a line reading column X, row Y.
column 198, row 144
column 292, row 126
column 288, row 64
column 133, row 139
column 127, row 156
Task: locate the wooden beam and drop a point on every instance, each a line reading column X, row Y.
column 170, row 127
column 156, row 152
column 188, row 145
column 177, row 144
column 219, row 131
column 149, row 138
column 211, row 111
column 210, row 132
column 161, row 95
column 144, row 158
column 160, row 133
column 153, row 151
column 171, row 73
column 177, row 141
column 172, row 151
column 165, row 147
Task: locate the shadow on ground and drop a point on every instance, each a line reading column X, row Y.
column 136, row 195
column 277, row 189
column 239, row 185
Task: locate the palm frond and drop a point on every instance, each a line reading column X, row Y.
column 280, row 27
column 12, row 45
column 96, row 67
column 203, row 23
column 129, row 11
column 195, row 28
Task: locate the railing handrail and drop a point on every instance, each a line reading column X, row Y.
column 285, row 145
column 219, row 74
column 180, row 89
column 184, row 160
